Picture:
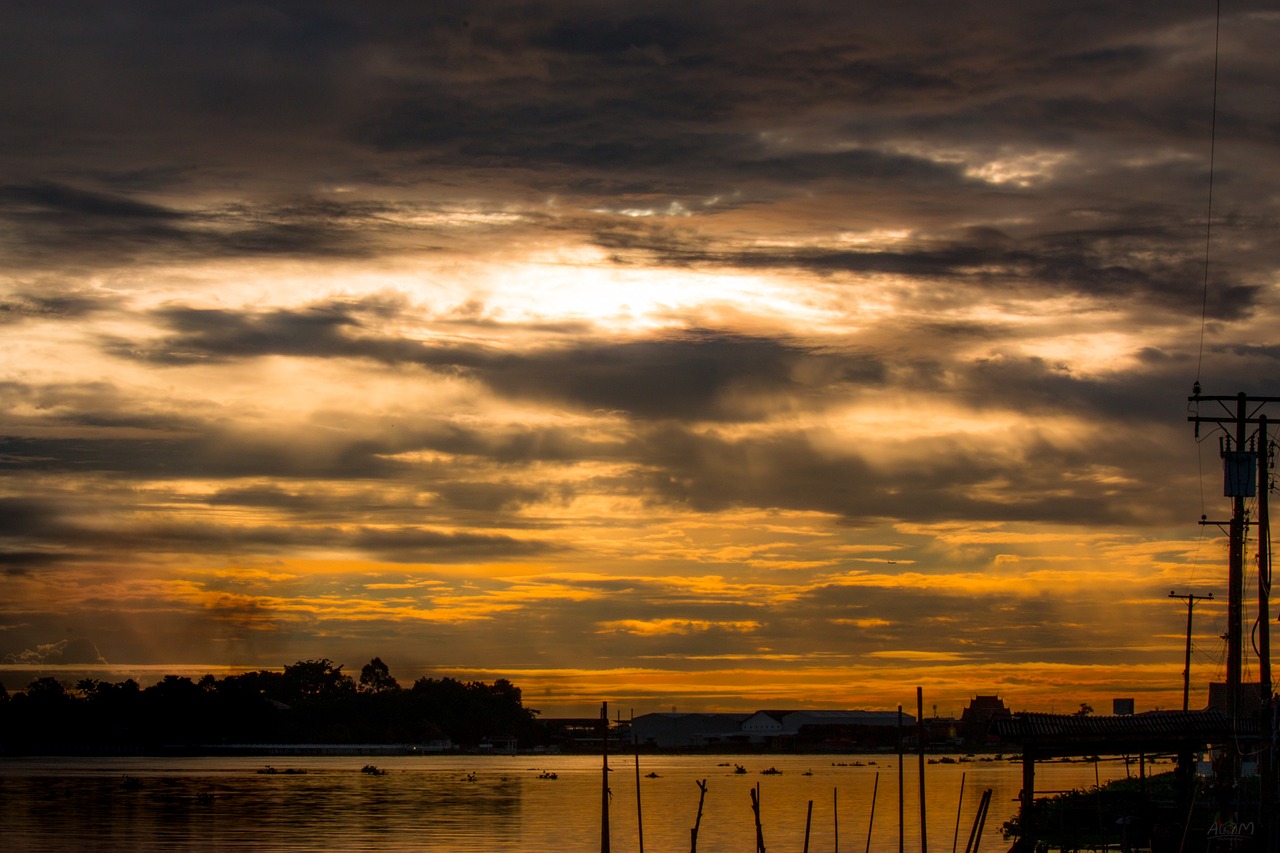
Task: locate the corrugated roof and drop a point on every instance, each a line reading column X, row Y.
column 1067, row 734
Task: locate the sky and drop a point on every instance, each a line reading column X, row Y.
column 707, row 355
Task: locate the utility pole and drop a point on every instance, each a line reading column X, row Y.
column 1240, row 481
column 1191, row 600
column 1264, row 558
column 1247, row 473
column 1266, row 756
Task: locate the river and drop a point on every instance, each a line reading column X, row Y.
column 495, row 803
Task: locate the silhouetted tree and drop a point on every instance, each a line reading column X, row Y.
column 375, row 677
column 311, row 701
column 47, row 690
column 316, row 679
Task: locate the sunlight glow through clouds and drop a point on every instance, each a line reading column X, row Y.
column 812, row 364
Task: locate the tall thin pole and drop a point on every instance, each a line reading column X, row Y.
column 604, row 785
column 920, row 745
column 871, row 821
column 955, row 839
column 693, row 833
column 755, row 807
column 1264, row 559
column 1191, row 600
column 1266, row 758
column 902, row 840
column 1235, row 578
column 639, row 813
column 835, row 815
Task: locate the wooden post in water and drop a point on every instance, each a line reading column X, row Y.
column 979, row 821
column 808, row 821
column 755, row 807
column 924, row 833
column 639, row 814
column 902, row 839
column 604, row 785
column 835, row 815
column 955, row 839
column 693, row 833
column 871, row 821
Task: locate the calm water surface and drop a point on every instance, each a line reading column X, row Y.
column 496, row 803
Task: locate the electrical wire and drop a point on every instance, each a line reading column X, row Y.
column 1208, row 219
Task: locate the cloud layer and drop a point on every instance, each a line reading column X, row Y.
column 675, row 353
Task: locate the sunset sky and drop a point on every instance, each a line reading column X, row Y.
column 700, row 354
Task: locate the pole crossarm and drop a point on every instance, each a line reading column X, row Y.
column 1190, row 599
column 1228, row 416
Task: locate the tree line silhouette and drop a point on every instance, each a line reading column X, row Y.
column 311, row 701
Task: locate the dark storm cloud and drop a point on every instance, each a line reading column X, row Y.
column 1120, row 264
column 630, row 107
column 214, row 454
column 66, row 306
column 36, row 534
column 452, row 493
column 684, row 376
column 688, row 377
column 49, row 225
column 417, row 545
column 957, row 479
column 1033, row 385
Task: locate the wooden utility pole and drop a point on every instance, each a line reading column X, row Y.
column 1240, row 481
column 1266, row 757
column 1247, row 473
column 1191, row 600
column 1264, row 558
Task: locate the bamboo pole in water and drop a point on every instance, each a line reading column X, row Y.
column 871, row 821
column 639, row 814
column 979, row 821
column 955, row 839
column 755, row 807
column 604, row 785
column 835, row 815
column 902, row 840
column 924, row 833
column 982, row 821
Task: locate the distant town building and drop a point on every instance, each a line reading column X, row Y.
column 977, row 718
column 775, row 728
